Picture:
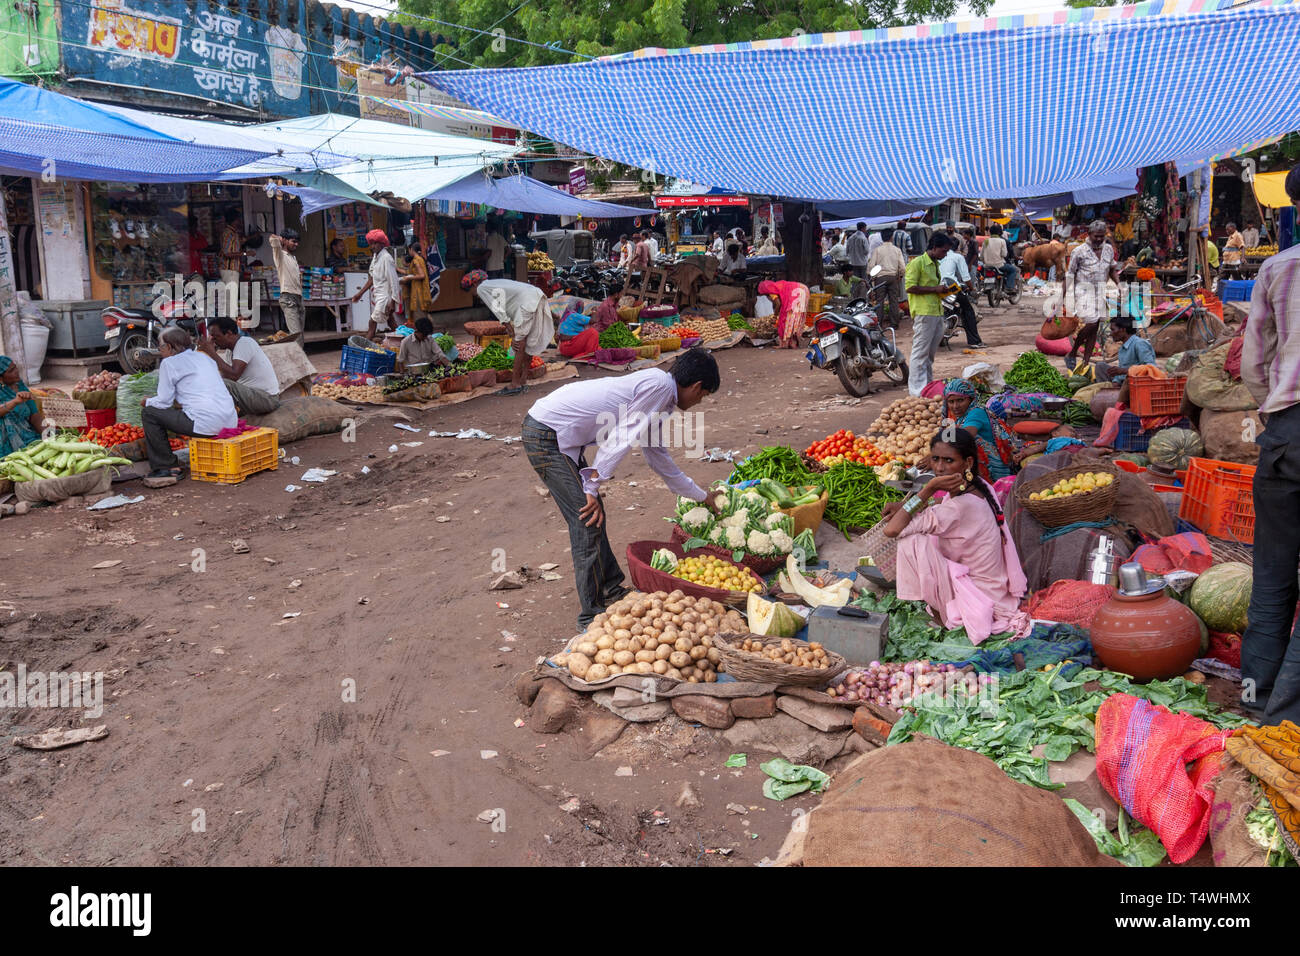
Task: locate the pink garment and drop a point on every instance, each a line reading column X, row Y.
column 239, row 429
column 955, row 558
column 794, row 306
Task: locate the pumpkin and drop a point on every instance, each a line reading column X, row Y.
column 1140, row 460
column 1172, row 447
column 1221, row 597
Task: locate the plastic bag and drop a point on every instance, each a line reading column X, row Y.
column 130, row 390
column 984, row 372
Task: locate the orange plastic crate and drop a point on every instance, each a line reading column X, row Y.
column 1218, row 498
column 1156, row 396
column 231, row 460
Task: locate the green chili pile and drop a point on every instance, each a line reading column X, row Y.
column 855, row 496
column 776, row 462
column 494, row 356
column 618, row 336
column 1032, row 372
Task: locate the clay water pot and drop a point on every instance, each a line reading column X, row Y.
column 1150, row 636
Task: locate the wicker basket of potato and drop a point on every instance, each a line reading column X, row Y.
column 777, row 660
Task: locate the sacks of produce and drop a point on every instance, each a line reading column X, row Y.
column 130, row 390
column 668, row 634
column 1103, row 400
column 95, row 482
column 1230, row 436
column 1172, row 447
column 304, row 416
column 1210, row 386
column 1221, row 597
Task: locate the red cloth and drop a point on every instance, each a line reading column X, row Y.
column 1189, row 551
column 1232, row 364
column 1226, row 648
column 584, row 343
column 1053, row 346
column 933, row 389
column 1143, row 758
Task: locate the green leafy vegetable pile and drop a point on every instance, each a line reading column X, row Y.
column 494, row 356
column 445, row 342
column 737, row 321
column 618, row 336
column 1032, row 372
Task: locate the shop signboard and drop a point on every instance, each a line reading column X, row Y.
column 371, row 87
column 577, row 179
column 689, row 202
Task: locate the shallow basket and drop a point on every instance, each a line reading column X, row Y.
column 486, row 328
column 744, row 666
column 649, row 580
column 882, row 549
column 807, row 517
column 1089, row 506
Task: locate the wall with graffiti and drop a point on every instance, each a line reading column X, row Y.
column 248, row 59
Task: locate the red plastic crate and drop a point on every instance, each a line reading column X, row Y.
column 100, row 417
column 1156, row 396
column 1218, row 498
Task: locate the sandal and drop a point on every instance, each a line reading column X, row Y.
column 513, row 391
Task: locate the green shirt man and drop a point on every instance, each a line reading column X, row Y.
column 923, row 274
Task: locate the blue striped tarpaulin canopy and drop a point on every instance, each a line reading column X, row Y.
column 1063, row 101
column 43, row 132
column 525, row 194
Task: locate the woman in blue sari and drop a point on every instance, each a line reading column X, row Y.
column 998, row 447
column 19, row 419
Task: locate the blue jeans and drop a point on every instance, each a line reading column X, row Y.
column 1270, row 649
column 595, row 569
column 1011, row 273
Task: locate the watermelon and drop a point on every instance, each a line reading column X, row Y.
column 1172, row 447
column 1134, row 458
column 1221, row 597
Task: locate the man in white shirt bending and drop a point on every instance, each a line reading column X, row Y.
column 249, row 376
column 190, row 380
column 615, row 414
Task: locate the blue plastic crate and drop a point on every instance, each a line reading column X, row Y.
column 1132, row 438
column 365, row 362
column 1236, row 290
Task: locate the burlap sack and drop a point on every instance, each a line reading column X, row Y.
column 720, row 296
column 97, row 481
column 927, row 804
column 1178, row 338
column 1224, row 435
column 1234, row 797
column 299, row 418
column 1210, row 386
column 97, row 400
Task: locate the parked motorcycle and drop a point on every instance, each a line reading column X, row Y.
column 132, row 334
column 994, row 286
column 851, row 344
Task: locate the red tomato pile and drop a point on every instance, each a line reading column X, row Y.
column 110, row 435
column 178, row 443
column 845, row 446
column 537, row 362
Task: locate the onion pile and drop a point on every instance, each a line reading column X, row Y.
column 896, row 685
column 99, row 382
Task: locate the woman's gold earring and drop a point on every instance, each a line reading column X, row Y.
column 970, row 475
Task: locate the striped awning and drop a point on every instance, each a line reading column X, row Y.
column 1060, row 102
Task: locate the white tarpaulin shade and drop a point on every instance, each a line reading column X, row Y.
column 384, row 157
column 1071, row 100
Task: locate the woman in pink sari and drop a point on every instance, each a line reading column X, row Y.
column 794, row 309
column 957, row 556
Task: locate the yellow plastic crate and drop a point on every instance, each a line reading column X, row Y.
column 231, row 460
column 483, row 341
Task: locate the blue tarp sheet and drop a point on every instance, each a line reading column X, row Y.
column 524, row 194
column 1078, row 104
column 39, row 127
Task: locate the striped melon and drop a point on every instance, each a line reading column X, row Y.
column 1221, row 597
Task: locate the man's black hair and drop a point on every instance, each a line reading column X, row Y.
column 422, row 324
column 290, row 234
column 226, row 324
column 1293, row 185
column 697, row 365
column 1124, row 322
column 939, row 240
column 862, row 227
column 995, row 229
column 733, row 250
column 846, row 269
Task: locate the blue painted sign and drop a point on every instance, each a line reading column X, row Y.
column 295, row 58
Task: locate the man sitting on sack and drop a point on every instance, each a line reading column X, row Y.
column 249, row 377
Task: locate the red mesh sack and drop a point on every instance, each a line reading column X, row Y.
column 1069, row 602
column 1226, row 648
column 1153, row 559
column 1232, row 364
column 1159, row 766
column 1189, row 551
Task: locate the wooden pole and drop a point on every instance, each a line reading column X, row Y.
column 11, row 338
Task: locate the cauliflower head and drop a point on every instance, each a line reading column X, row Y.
column 758, row 542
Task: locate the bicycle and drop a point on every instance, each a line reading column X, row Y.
column 1200, row 333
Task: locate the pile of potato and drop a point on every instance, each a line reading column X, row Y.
column 794, row 653
column 906, row 426
column 373, row 394
column 669, row 635
column 711, row 330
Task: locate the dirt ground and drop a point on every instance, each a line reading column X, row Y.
column 233, row 735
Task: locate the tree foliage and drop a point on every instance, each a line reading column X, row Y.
column 567, row 30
